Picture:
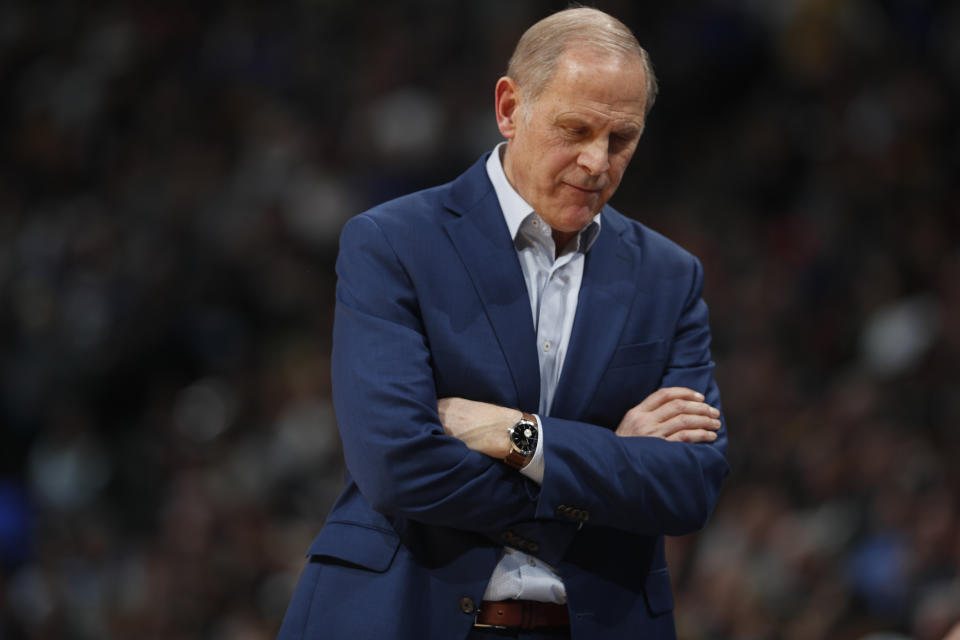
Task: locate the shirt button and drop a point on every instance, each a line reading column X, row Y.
column 532, row 562
column 546, row 346
column 466, row 605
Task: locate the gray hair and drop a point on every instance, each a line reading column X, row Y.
column 540, row 48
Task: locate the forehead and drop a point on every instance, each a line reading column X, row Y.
column 596, row 83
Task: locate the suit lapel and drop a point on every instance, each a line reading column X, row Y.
column 480, row 236
column 608, row 285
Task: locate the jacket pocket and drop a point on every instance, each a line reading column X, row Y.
column 639, row 353
column 658, row 592
column 357, row 544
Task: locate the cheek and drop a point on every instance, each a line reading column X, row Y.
column 562, row 165
column 552, row 171
column 617, row 168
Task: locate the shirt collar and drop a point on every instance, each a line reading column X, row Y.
column 516, row 209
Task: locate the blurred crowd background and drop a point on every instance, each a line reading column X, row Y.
column 173, row 179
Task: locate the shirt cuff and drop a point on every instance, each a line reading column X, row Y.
column 534, row 469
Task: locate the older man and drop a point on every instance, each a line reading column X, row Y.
column 522, row 380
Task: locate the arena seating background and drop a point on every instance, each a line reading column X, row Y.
column 173, row 178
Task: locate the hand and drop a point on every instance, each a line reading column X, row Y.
column 673, row 413
column 481, row 426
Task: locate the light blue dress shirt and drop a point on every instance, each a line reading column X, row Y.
column 553, row 284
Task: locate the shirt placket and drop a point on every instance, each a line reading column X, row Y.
column 549, row 325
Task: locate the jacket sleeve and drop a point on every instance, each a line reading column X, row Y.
column 386, row 403
column 639, row 484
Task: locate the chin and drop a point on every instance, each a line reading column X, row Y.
column 572, row 217
column 583, row 215
column 575, row 224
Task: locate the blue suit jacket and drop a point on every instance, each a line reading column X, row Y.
column 431, row 302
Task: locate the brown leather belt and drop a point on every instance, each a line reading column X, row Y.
column 521, row 614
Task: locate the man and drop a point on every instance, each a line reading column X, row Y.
column 508, row 476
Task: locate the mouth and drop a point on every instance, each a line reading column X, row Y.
column 587, row 190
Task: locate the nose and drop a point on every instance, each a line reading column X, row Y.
column 594, row 157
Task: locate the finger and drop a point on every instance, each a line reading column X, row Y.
column 648, row 425
column 691, row 436
column 679, row 407
column 690, row 422
column 666, row 394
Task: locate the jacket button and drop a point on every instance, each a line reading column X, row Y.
column 466, row 605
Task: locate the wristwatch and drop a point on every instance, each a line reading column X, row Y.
column 523, row 441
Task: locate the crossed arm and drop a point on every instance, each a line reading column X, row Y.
column 676, row 414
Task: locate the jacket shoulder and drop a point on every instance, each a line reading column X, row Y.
column 413, row 208
column 433, row 205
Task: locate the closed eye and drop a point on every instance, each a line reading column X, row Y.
column 622, row 140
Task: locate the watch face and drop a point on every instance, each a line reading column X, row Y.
column 524, row 437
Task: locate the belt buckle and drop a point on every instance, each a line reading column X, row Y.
column 490, row 627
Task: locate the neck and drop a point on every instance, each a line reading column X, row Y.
column 560, row 240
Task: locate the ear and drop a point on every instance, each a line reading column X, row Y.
column 507, row 102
